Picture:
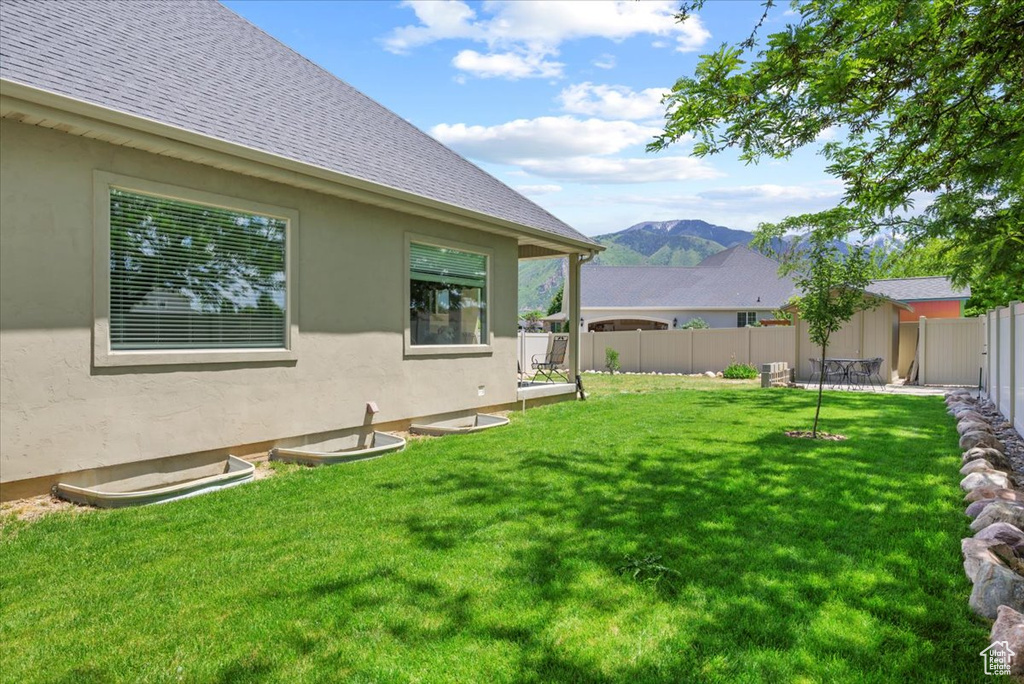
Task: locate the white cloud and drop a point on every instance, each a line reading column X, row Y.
column 438, row 21
column 547, row 137
column 598, row 211
column 741, row 207
column 535, row 30
column 605, row 61
column 605, row 170
column 613, row 102
column 538, row 189
column 570, row 149
column 774, row 194
column 510, row 65
column 826, row 134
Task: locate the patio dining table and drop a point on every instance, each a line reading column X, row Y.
column 844, row 365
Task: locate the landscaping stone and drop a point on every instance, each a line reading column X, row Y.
column 970, row 415
column 993, row 456
column 994, row 584
column 1000, row 511
column 1010, row 559
column 1004, row 533
column 988, row 478
column 987, row 440
column 977, row 507
column 965, row 426
column 975, row 466
column 709, row 374
column 1009, row 627
column 977, row 553
column 993, row 493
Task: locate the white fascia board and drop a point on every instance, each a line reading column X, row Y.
column 149, row 133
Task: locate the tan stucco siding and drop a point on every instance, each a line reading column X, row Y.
column 868, row 334
column 60, row 413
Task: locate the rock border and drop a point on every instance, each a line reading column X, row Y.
column 992, row 466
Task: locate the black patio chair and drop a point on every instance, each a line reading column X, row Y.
column 868, row 371
column 552, row 364
column 815, row 369
column 836, row 372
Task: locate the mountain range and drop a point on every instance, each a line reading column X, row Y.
column 684, row 242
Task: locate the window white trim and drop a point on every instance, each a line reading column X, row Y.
column 104, row 356
column 445, row 349
column 747, row 315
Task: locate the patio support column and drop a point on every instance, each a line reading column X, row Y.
column 573, row 310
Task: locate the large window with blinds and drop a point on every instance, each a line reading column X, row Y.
column 447, row 296
column 191, row 276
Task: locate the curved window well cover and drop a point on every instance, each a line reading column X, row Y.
column 192, row 276
column 459, row 426
column 447, row 296
column 343, row 450
column 120, row 486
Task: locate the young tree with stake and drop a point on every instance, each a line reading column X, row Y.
column 833, row 291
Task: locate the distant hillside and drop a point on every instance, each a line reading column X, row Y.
column 654, row 243
column 685, row 242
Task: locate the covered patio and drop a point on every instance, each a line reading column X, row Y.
column 532, row 385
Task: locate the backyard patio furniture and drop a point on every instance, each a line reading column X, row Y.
column 815, row 368
column 868, row 371
column 552, row 364
column 836, row 370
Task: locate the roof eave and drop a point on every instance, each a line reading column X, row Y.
column 150, row 134
column 955, row 298
column 684, row 307
column 889, row 300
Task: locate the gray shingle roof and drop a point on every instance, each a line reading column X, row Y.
column 201, row 67
column 733, row 278
column 919, row 289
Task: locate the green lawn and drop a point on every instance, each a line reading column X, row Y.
column 495, row 557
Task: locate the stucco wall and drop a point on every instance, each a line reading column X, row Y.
column 60, row 414
column 943, row 308
column 868, row 334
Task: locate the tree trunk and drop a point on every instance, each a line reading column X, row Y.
column 821, row 388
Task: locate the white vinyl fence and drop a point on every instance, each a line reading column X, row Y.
column 1004, row 361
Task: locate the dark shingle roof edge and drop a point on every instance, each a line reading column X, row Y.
column 920, row 289
column 358, row 189
column 197, row 66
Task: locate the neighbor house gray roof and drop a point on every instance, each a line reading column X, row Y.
column 732, row 279
column 919, row 289
column 199, row 66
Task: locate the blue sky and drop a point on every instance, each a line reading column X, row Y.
column 557, row 99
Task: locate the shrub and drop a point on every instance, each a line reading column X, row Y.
column 611, row 360
column 695, row 324
column 740, row 371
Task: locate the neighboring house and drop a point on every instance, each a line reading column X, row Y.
column 210, row 244
column 733, row 288
column 930, row 296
